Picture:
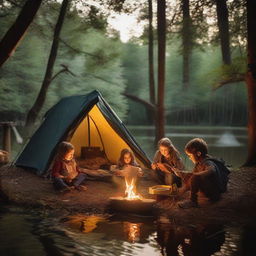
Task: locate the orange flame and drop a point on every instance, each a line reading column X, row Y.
column 130, row 190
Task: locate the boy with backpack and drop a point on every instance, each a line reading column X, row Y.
column 209, row 176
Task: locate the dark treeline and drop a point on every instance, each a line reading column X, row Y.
column 201, row 103
column 91, row 56
column 188, row 67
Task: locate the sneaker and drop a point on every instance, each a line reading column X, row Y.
column 81, row 188
column 186, row 204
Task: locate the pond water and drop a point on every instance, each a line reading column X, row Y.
column 23, row 233
column 229, row 143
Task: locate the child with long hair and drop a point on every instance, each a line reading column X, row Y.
column 125, row 167
column 167, row 163
column 65, row 172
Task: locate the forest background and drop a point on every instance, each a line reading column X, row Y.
column 206, row 59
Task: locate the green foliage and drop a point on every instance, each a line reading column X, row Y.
column 93, row 60
column 135, row 63
column 226, row 74
column 21, row 74
column 200, row 104
column 90, row 56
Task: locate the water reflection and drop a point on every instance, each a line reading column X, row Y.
column 23, row 233
column 130, row 228
column 190, row 241
column 85, row 224
column 132, row 231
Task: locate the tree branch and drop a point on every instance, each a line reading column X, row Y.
column 143, row 102
column 77, row 50
column 101, row 78
column 235, row 79
column 65, row 69
column 64, row 42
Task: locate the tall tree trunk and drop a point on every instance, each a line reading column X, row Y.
column 223, row 25
column 251, row 82
column 186, row 43
column 161, row 32
column 12, row 37
column 34, row 111
column 151, row 54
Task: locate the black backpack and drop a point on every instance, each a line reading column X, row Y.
column 222, row 173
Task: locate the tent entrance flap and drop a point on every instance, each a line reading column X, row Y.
column 102, row 135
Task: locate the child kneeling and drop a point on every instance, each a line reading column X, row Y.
column 204, row 177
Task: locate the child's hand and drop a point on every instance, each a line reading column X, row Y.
column 162, row 167
column 153, row 166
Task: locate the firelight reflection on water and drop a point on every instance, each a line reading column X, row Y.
column 132, row 231
column 128, row 235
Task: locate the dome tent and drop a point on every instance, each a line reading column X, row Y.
column 84, row 120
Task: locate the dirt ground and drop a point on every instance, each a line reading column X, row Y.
column 237, row 206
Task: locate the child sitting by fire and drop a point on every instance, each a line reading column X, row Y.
column 65, row 172
column 209, row 176
column 167, row 164
column 128, row 168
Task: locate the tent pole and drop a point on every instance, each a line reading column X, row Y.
column 99, row 134
column 89, row 132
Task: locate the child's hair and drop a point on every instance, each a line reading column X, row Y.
column 166, row 142
column 63, row 149
column 197, row 145
column 121, row 162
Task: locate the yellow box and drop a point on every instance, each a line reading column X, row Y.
column 161, row 190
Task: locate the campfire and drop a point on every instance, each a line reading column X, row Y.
column 130, row 192
column 132, row 201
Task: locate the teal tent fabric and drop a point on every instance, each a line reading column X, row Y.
column 60, row 121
